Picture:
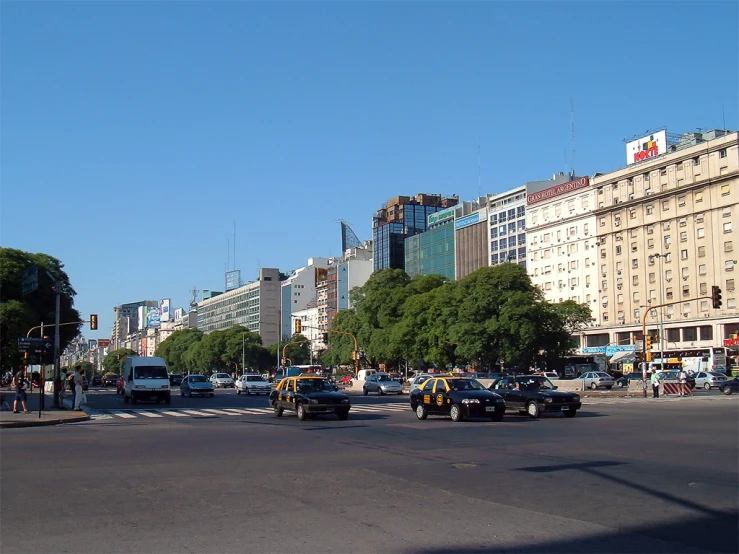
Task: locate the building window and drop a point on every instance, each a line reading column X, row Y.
column 635, row 296
column 728, row 246
column 683, row 254
column 604, row 285
column 617, row 221
column 702, row 269
column 704, row 305
column 602, row 221
column 731, row 303
column 633, row 247
column 722, row 153
column 683, row 221
column 727, row 227
column 700, row 233
column 699, row 218
column 666, row 226
column 650, row 229
column 635, row 279
column 665, row 205
column 652, row 278
column 620, row 299
column 668, row 241
column 703, row 288
column 650, row 243
column 729, row 265
column 701, row 251
column 683, row 236
column 729, row 285
column 680, row 200
column 697, row 160
column 686, row 290
column 725, row 190
column 699, row 196
column 634, row 263
column 618, row 251
column 726, row 212
column 650, row 209
column 668, row 293
column 686, row 308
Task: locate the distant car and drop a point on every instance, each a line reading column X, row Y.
column 709, row 379
column 175, row 379
column 596, row 379
column 252, row 384
column 534, row 394
column 419, row 380
column 730, row 386
column 196, row 385
column 120, row 385
column 97, row 381
column 346, row 379
column 458, row 398
column 110, row 380
column 381, row 383
column 551, row 375
column 222, row 380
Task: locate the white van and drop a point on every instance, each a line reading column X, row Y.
column 146, row 379
column 364, row 373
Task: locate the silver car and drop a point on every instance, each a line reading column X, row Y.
column 709, row 379
column 419, row 380
column 596, row 379
column 252, row 384
column 381, row 383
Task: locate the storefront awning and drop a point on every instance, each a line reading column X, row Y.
column 621, row 357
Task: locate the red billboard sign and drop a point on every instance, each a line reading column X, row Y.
column 731, row 342
column 103, row 343
column 556, row 190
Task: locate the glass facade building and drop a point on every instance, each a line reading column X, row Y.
column 507, row 216
column 431, row 252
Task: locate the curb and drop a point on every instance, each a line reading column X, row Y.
column 43, row 422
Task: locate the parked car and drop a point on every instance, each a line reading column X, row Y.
column 551, row 375
column 120, row 385
column 196, row 385
column 347, row 379
column 222, row 380
column 252, row 383
column 596, row 379
column 709, row 379
column 419, row 380
column 534, row 394
column 110, row 380
column 175, row 379
column 381, row 383
column 458, row 398
column 308, row 396
column 730, row 386
column 626, row 379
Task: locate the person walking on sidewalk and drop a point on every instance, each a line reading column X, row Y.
column 655, row 384
column 77, row 382
column 20, row 384
column 683, row 383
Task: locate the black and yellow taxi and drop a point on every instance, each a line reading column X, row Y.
column 308, row 396
column 534, row 394
column 456, row 397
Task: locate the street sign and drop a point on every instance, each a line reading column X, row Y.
column 103, row 343
column 29, row 280
column 35, row 345
column 639, row 345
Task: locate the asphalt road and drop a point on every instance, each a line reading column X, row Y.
column 646, row 476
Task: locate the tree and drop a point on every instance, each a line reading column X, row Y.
column 173, row 348
column 298, row 354
column 18, row 313
column 114, row 361
column 575, row 317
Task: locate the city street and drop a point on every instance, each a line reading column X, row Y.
column 625, row 475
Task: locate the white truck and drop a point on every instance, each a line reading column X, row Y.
column 146, row 379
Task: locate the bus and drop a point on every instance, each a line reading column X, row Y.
column 693, row 359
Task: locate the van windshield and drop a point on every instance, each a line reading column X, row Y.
column 150, row 372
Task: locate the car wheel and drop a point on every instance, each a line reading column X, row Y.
column 365, row 391
column 532, row 409
column 246, row 391
column 707, row 386
column 380, row 391
column 727, row 390
column 302, row 413
column 622, row 384
column 182, row 393
column 593, row 386
column 456, row 413
column 343, row 414
column 421, row 412
column 497, row 417
column 278, row 410
column 570, row 413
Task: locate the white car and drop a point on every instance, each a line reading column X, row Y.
column 418, row 380
column 551, row 375
column 222, row 380
column 252, row 383
column 709, row 379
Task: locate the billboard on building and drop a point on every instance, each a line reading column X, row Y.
column 440, row 216
column 164, row 310
column 152, row 318
column 466, row 221
column 646, row 147
column 233, row 279
column 142, row 347
column 92, row 344
column 103, row 343
column 556, row 190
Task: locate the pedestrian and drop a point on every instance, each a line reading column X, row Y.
column 20, row 384
column 655, row 384
column 60, row 389
column 77, row 381
column 683, row 387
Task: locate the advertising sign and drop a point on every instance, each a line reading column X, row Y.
column 557, row 190
column 92, row 344
column 142, row 347
column 103, row 343
column 731, row 342
column 164, row 310
column 233, row 279
column 466, row 221
column 152, row 318
column 646, row 147
column 440, row 216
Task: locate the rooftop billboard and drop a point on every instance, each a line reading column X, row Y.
column 646, row 147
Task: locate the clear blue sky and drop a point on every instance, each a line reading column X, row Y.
column 135, row 133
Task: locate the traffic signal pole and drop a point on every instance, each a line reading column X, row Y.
column 299, row 328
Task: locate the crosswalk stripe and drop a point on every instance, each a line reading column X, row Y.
column 149, row 414
column 172, row 413
column 243, row 411
column 122, row 414
column 194, row 412
column 212, row 411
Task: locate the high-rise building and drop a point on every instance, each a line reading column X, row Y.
column 507, row 220
column 471, row 242
column 432, row 252
column 126, row 321
column 402, row 217
column 299, row 289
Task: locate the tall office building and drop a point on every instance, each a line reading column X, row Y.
column 126, row 321
column 299, row 289
column 402, row 217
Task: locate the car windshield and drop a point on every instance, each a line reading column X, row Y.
column 222, row 376
column 535, row 383
column 254, row 378
column 465, row 384
column 198, row 379
column 150, row 372
column 384, row 378
column 314, row 385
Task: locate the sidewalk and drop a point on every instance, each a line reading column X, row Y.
column 49, row 416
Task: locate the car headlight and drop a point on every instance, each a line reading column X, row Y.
column 313, row 401
column 548, row 399
column 470, row 401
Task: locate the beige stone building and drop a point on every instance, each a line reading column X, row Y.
column 666, row 230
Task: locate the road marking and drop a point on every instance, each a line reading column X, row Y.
column 172, row 413
column 122, row 414
column 219, row 412
column 148, row 414
column 196, row 413
column 242, row 411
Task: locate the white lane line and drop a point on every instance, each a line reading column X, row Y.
column 148, row 414
column 195, row 412
column 210, row 410
column 122, row 414
column 258, row 411
column 235, row 411
column 172, row 413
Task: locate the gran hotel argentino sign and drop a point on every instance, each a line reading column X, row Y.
column 556, row 190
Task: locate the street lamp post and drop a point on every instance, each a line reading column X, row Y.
column 661, row 301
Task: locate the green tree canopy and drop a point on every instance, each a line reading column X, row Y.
column 114, row 361
column 173, row 348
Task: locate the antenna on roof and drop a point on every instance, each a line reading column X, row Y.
column 723, row 115
column 572, row 133
column 479, row 174
column 234, row 243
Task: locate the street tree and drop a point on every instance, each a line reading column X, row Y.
column 19, row 313
column 115, row 359
column 173, row 348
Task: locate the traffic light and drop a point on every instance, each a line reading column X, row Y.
column 93, row 322
column 648, row 342
column 298, row 326
column 716, row 297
